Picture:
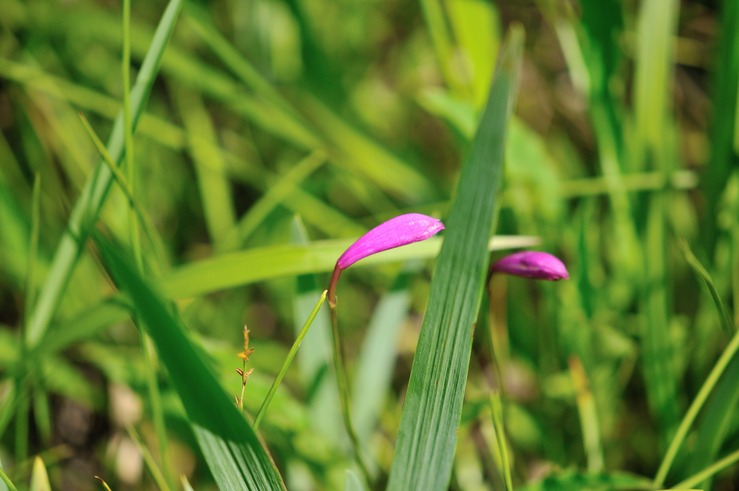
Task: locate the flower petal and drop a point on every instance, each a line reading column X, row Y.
column 396, row 232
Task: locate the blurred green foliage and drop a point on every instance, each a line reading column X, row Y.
column 625, row 143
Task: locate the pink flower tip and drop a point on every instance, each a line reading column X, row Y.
column 396, row 232
column 532, row 264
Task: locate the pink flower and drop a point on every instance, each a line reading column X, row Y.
column 396, row 232
column 532, row 264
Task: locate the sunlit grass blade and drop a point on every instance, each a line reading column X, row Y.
column 427, row 437
column 93, row 196
column 656, row 27
column 314, row 359
column 6, row 480
column 284, row 186
column 709, row 471
column 377, row 356
column 261, row 263
column 231, row 448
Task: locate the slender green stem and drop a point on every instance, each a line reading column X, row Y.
column 342, row 381
column 288, row 360
column 695, row 407
column 497, row 412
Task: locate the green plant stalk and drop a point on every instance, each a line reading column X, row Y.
column 695, row 407
column 86, row 210
column 342, row 381
column 497, row 413
column 709, row 471
column 288, row 360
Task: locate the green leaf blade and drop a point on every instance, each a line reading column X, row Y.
column 427, row 435
column 230, row 445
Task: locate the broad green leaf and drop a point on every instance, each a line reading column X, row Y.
column 428, row 428
column 234, row 454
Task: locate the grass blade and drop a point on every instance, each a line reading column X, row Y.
column 261, row 263
column 374, row 366
column 93, row 196
column 427, row 435
column 231, row 448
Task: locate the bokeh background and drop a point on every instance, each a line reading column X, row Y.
column 289, row 121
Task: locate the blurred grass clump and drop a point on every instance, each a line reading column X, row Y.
column 248, row 142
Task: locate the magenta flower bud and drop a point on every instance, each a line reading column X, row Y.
column 396, row 232
column 532, row 264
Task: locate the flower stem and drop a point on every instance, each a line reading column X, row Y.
column 342, row 381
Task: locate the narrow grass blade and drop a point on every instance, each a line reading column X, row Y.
column 724, row 314
column 231, row 448
column 709, row 471
column 6, row 480
column 261, row 263
column 588, row 416
column 728, row 359
column 210, row 167
column 657, row 24
column 314, row 360
column 427, row 436
column 725, row 125
column 376, row 360
column 93, row 196
column 275, row 195
column 496, row 406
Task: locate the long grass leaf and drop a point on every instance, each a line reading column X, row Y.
column 231, row 448
column 93, row 196
column 428, row 428
column 261, row 263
